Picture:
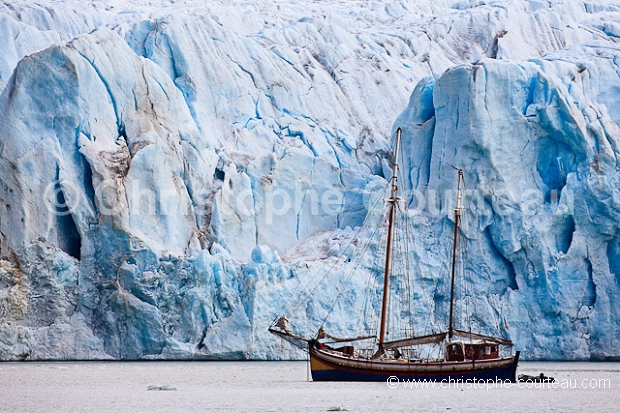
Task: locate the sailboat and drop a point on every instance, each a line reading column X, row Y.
column 465, row 356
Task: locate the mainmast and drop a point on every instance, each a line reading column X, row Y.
column 457, row 216
column 388, row 253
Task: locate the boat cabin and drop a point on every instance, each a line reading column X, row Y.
column 459, row 351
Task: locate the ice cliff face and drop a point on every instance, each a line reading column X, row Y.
column 168, row 172
column 540, row 153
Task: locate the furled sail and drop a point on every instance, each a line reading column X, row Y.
column 324, row 334
column 413, row 341
column 486, row 339
column 282, row 330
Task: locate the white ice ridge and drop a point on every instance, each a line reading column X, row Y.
column 170, row 168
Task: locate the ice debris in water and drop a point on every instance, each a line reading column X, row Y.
column 165, row 387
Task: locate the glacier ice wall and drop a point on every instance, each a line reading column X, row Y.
column 539, row 146
column 169, row 171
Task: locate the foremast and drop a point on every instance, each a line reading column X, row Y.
column 388, row 252
column 457, row 217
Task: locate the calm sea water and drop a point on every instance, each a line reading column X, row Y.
column 70, row 387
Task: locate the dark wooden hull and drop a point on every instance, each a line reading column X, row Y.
column 331, row 366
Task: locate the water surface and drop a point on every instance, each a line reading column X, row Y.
column 284, row 387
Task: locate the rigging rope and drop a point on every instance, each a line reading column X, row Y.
column 307, row 295
column 357, row 263
column 356, row 266
column 368, row 298
column 411, row 281
column 287, row 306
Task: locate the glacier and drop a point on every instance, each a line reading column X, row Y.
column 171, row 169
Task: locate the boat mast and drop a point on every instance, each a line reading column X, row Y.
column 457, row 216
column 388, row 253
